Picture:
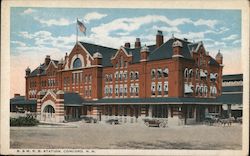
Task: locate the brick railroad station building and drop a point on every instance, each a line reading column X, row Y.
column 176, row 79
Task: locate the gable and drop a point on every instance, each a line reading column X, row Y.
column 78, row 52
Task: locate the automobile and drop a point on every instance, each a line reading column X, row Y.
column 89, row 119
column 112, row 121
column 155, row 122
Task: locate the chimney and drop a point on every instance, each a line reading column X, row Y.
column 137, row 43
column 47, row 60
column 159, row 39
column 127, row 45
column 16, row 95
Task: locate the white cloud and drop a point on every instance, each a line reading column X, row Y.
column 93, row 16
column 45, row 38
column 237, row 42
column 28, row 11
column 167, row 29
column 209, row 23
column 56, row 22
column 19, row 43
column 231, row 37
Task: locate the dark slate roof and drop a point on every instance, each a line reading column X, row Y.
column 35, row 72
column 212, row 61
column 106, row 52
column 230, row 98
column 20, row 100
column 43, row 66
column 72, row 98
column 165, row 50
column 192, row 46
column 232, row 89
column 233, row 77
column 153, row 100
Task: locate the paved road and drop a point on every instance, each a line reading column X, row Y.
column 101, row 136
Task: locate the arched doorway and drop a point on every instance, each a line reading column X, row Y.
column 48, row 114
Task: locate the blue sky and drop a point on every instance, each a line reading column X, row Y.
column 36, row 32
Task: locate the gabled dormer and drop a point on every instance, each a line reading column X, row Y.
column 121, row 58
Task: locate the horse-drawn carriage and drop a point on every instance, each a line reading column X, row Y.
column 212, row 119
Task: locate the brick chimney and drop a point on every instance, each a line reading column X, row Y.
column 137, row 43
column 127, row 45
column 159, row 38
column 47, row 60
column 16, row 95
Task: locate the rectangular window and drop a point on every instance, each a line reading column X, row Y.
column 159, row 88
column 165, row 88
column 131, row 90
column 90, row 92
column 111, row 90
column 136, row 90
column 80, row 78
column 152, row 88
column 125, row 90
column 116, row 90
column 121, row 91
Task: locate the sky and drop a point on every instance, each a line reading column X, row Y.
column 37, row 32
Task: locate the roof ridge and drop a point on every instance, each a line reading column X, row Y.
column 97, row 45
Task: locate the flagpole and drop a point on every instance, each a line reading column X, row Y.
column 76, row 30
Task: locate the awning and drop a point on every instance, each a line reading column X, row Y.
column 188, row 88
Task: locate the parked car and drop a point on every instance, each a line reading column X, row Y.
column 113, row 121
column 155, row 122
column 89, row 119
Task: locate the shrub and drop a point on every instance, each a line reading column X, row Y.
column 23, row 121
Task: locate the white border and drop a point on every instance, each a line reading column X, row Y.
column 180, row 4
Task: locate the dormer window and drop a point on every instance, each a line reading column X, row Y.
column 159, row 73
column 165, row 72
column 77, row 63
column 136, row 75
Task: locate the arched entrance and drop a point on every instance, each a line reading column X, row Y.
column 48, row 114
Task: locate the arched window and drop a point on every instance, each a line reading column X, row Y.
column 153, row 73
column 136, row 75
column 159, row 73
column 186, row 73
column 131, row 75
column 77, row 63
column 190, row 73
